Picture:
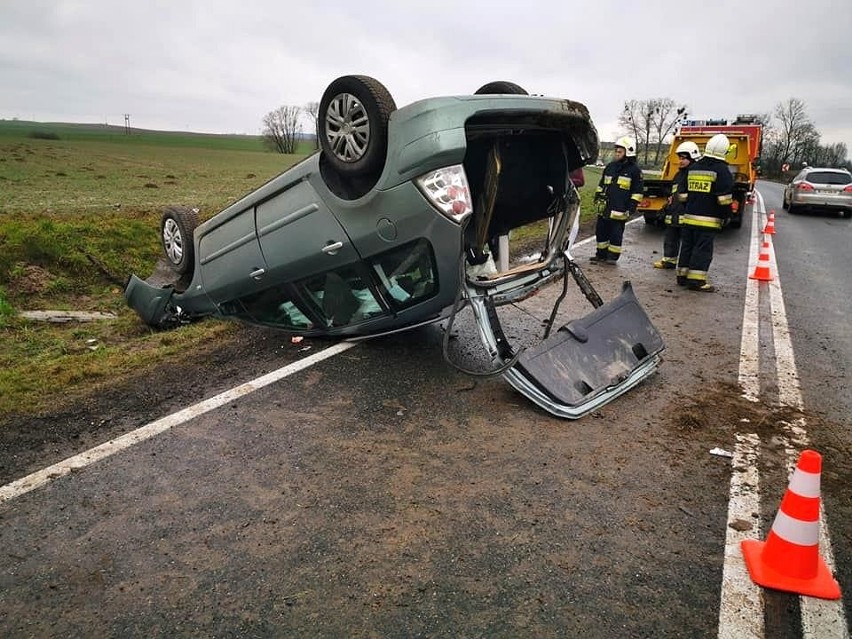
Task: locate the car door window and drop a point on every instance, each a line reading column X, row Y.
column 407, row 274
column 342, row 296
column 275, row 306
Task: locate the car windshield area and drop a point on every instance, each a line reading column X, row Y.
column 829, row 177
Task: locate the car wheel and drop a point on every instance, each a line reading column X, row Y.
column 736, row 222
column 353, row 124
column 176, row 234
column 784, row 202
column 501, row 87
column 792, row 210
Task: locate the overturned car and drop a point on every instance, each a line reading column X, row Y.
column 400, row 220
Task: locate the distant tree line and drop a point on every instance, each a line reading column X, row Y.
column 790, row 138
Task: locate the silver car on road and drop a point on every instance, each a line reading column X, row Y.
column 820, row 189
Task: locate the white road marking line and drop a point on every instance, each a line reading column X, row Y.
column 741, row 600
column 820, row 618
column 46, row 475
column 60, row 469
column 749, row 375
column 741, row 605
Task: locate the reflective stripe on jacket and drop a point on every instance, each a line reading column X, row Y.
column 621, row 183
column 706, row 194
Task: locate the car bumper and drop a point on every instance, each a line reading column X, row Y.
column 822, row 201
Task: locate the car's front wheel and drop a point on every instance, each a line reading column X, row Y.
column 353, row 125
column 176, row 235
column 501, row 87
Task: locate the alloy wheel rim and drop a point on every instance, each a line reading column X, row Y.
column 347, row 127
column 173, row 241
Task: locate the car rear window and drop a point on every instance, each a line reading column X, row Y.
column 828, row 177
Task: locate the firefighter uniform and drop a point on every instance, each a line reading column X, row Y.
column 621, row 190
column 706, row 195
column 671, row 237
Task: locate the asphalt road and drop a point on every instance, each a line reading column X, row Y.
column 380, row 493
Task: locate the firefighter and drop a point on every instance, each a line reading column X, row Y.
column 706, row 196
column 619, row 191
column 687, row 153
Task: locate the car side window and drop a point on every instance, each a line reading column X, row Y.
column 275, row 306
column 407, row 274
column 342, row 297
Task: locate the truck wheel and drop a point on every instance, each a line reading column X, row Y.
column 501, row 87
column 352, row 126
column 176, row 235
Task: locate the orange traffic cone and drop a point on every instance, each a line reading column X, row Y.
column 789, row 558
column 770, row 224
column 761, row 271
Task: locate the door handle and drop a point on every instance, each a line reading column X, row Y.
column 257, row 273
column 332, row 248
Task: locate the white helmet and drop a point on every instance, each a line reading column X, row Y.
column 717, row 147
column 690, row 148
column 628, row 144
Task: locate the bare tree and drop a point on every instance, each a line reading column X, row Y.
column 311, row 109
column 666, row 116
column 636, row 118
column 796, row 131
column 281, row 128
column 651, row 121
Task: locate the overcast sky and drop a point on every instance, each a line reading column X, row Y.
column 219, row 65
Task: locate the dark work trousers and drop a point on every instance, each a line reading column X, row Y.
column 696, row 253
column 609, row 234
column 671, row 243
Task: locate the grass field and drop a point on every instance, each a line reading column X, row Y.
column 81, row 212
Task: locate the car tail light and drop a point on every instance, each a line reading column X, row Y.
column 848, row 189
column 448, row 191
column 804, row 186
column 735, row 206
column 644, row 204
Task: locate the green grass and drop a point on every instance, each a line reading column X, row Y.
column 77, row 215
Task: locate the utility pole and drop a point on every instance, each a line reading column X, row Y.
column 126, row 124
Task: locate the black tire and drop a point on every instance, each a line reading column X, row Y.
column 177, row 227
column 362, row 150
column 736, row 222
column 501, row 87
column 792, row 210
column 784, row 202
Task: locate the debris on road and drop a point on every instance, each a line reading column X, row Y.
column 63, row 317
column 721, row 452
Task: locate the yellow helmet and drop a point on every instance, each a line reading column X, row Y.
column 628, row 144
